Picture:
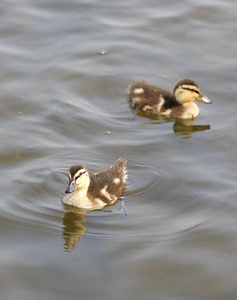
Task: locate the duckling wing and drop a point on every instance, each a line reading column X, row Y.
column 108, row 184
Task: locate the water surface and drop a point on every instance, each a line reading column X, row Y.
column 65, row 69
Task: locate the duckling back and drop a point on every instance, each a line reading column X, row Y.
column 108, row 185
column 150, row 98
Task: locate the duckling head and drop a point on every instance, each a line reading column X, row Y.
column 187, row 90
column 78, row 179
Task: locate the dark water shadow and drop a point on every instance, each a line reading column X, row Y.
column 159, row 119
column 73, row 228
column 74, row 223
column 182, row 127
column 186, row 128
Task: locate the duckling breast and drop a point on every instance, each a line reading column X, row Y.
column 188, row 110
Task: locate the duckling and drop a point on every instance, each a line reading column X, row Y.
column 94, row 191
column 153, row 99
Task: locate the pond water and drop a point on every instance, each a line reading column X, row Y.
column 65, row 69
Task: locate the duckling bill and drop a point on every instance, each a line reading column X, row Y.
column 94, row 191
column 178, row 104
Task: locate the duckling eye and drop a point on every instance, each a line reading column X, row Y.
column 81, row 173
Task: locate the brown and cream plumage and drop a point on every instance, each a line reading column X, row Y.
column 94, row 191
column 178, row 104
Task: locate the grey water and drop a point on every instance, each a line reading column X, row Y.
column 65, row 69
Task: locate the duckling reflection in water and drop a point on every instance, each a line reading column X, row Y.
column 73, row 227
column 185, row 127
column 94, row 191
column 180, row 105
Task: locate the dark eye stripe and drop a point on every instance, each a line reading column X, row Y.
column 81, row 173
column 191, row 90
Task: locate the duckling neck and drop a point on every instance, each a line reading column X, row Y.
column 78, row 198
column 191, row 110
column 81, row 192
